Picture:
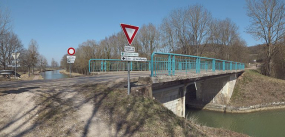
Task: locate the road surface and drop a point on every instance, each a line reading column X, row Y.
column 71, row 81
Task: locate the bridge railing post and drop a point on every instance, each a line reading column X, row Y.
column 151, row 64
column 198, row 65
column 101, row 65
column 206, row 65
column 224, row 65
column 173, row 65
column 105, row 65
column 213, row 65
column 231, row 65
column 169, row 65
column 89, row 65
column 186, row 65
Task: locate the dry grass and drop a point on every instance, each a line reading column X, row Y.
column 141, row 116
column 129, row 115
column 68, row 73
column 252, row 88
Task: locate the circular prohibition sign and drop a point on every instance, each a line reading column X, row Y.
column 71, row 51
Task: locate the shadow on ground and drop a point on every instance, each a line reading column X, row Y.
column 129, row 115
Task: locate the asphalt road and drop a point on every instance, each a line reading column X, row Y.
column 71, row 81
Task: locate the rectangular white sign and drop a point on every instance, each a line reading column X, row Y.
column 129, row 49
column 18, row 65
column 70, row 61
column 132, row 54
column 71, row 57
column 133, row 58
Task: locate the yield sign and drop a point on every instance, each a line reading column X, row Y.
column 130, row 32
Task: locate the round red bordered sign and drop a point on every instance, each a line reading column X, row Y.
column 71, row 51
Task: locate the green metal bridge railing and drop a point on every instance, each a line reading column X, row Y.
column 104, row 65
column 167, row 64
column 172, row 64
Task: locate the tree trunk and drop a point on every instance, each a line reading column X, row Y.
column 29, row 71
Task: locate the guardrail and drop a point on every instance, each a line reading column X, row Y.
column 104, row 65
column 172, row 64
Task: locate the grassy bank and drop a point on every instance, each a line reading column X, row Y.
column 68, row 73
column 127, row 115
column 252, row 88
column 24, row 76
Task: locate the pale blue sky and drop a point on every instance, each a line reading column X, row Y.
column 59, row 24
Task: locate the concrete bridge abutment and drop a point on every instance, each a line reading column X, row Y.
column 198, row 92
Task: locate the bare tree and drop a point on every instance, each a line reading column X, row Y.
column 267, row 23
column 33, row 54
column 42, row 63
column 54, row 64
column 198, row 19
column 148, row 38
column 187, row 29
column 9, row 43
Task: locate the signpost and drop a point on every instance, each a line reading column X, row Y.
column 129, row 49
column 129, row 54
column 132, row 54
column 70, row 59
column 133, row 59
column 15, row 56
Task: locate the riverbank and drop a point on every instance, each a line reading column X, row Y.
column 101, row 109
column 35, row 76
column 68, row 73
column 253, row 92
column 25, row 76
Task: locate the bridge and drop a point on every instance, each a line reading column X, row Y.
column 178, row 80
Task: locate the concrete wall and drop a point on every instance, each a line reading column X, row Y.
column 213, row 90
column 216, row 90
column 172, row 98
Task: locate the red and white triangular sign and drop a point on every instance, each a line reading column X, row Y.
column 130, row 32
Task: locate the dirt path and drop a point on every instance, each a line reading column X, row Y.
column 18, row 111
column 48, row 108
column 36, row 77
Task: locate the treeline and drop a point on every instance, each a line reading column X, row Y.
column 28, row 60
column 190, row 30
column 268, row 24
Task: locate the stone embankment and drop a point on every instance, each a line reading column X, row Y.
column 242, row 109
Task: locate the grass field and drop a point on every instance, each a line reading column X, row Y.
column 252, row 88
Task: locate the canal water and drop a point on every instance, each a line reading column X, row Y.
column 53, row 75
column 257, row 124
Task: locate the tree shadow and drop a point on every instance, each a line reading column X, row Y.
column 135, row 112
column 21, row 90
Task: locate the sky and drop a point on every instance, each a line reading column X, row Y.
column 57, row 25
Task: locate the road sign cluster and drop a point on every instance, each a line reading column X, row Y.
column 71, row 59
column 130, row 54
column 15, row 62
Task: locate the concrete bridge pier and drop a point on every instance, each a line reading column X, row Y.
column 209, row 92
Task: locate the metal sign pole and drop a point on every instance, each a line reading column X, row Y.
column 15, row 69
column 129, row 85
column 70, row 69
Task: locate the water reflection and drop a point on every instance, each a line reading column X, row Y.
column 258, row 124
column 53, row 75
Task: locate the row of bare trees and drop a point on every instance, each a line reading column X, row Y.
column 10, row 43
column 191, row 30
